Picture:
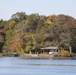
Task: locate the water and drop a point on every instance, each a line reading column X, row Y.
column 19, row 66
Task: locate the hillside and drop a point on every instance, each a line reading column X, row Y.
column 23, row 32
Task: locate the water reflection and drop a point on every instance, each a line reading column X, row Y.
column 49, row 58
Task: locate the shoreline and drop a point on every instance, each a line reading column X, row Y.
column 50, row 57
column 41, row 57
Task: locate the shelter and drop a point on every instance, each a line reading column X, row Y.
column 50, row 50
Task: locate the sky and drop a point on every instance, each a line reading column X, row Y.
column 43, row 7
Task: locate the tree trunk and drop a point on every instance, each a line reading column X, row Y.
column 70, row 49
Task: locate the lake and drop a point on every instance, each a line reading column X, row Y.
column 23, row 66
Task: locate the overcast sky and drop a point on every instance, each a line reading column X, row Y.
column 43, row 7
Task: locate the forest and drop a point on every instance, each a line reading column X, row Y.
column 22, row 32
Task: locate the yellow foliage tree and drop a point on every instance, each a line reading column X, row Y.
column 48, row 21
column 64, row 53
column 53, row 18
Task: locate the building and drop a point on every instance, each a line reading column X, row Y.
column 50, row 50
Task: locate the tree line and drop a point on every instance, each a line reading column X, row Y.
column 22, row 32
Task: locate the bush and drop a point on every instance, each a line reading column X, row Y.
column 64, row 53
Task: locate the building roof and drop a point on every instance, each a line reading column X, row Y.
column 50, row 48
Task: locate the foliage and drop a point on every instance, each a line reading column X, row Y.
column 64, row 53
column 23, row 33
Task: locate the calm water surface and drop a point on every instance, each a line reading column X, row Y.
column 19, row 66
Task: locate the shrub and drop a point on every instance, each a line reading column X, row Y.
column 64, row 53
